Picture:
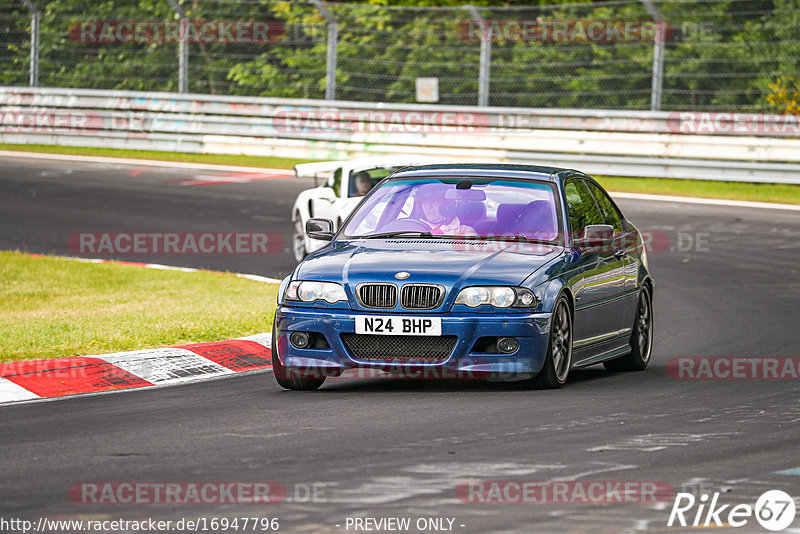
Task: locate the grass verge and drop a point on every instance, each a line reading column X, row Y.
column 216, row 159
column 780, row 193
column 53, row 307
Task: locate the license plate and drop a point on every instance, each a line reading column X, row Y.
column 398, row 326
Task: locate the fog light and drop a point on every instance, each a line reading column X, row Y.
column 300, row 340
column 507, row 345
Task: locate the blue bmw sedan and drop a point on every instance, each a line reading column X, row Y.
column 505, row 272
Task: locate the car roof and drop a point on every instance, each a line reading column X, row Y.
column 506, row 170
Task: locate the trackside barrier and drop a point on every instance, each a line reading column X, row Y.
column 713, row 146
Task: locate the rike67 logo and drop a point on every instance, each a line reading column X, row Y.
column 774, row 510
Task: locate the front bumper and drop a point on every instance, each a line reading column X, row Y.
column 531, row 330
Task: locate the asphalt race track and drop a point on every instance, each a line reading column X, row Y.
column 44, row 202
column 728, row 285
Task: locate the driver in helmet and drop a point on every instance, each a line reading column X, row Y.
column 433, row 213
column 363, row 183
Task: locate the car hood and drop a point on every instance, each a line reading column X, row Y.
column 451, row 263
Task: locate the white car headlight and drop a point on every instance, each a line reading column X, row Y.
column 497, row 296
column 310, row 291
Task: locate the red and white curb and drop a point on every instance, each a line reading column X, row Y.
column 60, row 377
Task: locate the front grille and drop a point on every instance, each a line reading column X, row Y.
column 400, row 348
column 420, row 296
column 377, row 295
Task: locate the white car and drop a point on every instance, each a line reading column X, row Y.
column 348, row 181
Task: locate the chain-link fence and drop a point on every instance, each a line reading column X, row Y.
column 623, row 54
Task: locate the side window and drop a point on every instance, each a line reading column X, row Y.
column 335, row 181
column 581, row 207
column 606, row 207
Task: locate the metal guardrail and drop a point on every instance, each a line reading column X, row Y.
column 712, row 146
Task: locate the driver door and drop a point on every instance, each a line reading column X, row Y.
column 326, row 206
column 598, row 281
column 622, row 244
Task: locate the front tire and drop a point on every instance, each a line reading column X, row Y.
column 298, row 238
column 558, row 360
column 641, row 337
column 287, row 378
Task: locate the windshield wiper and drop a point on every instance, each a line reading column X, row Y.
column 514, row 238
column 405, row 233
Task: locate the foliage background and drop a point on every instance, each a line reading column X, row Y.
column 741, row 55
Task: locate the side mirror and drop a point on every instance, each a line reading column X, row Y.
column 321, row 229
column 596, row 236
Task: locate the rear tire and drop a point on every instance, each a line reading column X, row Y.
column 641, row 337
column 558, row 360
column 287, row 378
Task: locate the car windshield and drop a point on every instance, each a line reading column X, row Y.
column 451, row 207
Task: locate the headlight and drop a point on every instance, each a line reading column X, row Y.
column 497, row 296
column 473, row 296
column 311, row 291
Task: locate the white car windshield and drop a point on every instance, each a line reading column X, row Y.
column 361, row 182
column 453, row 206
